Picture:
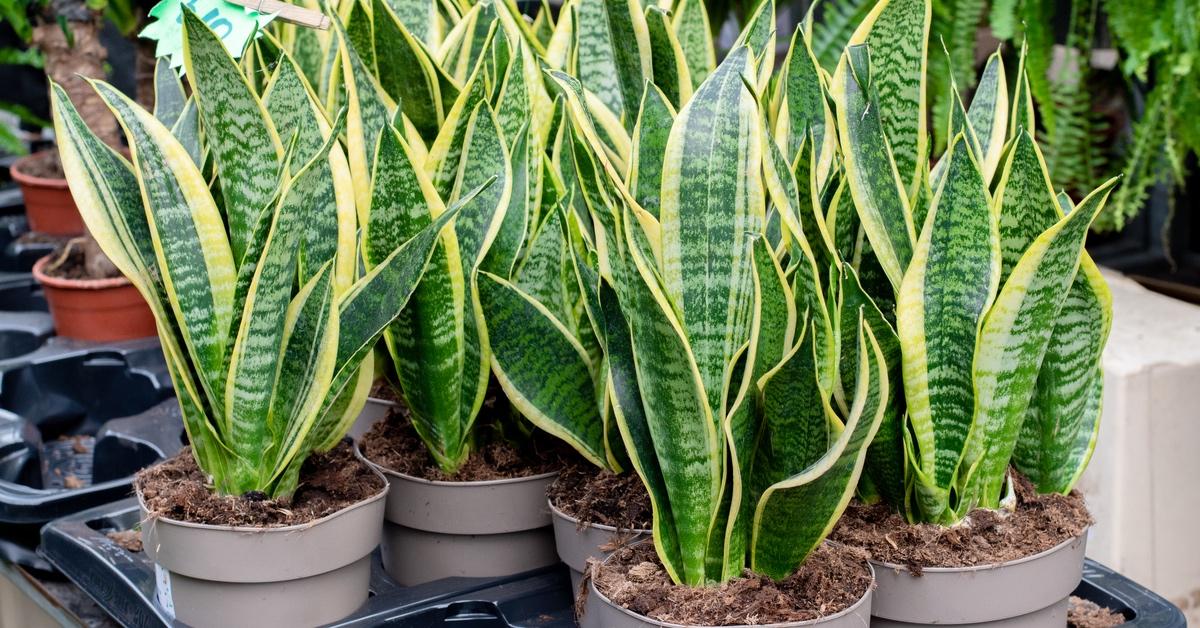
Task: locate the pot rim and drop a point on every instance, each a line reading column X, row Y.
column 412, row 478
column 592, row 590
column 27, row 179
column 269, row 529
column 554, row 510
column 988, row 566
column 74, row 284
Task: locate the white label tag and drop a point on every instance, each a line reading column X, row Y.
column 162, row 590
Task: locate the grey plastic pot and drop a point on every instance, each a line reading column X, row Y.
column 373, row 411
column 436, row 529
column 231, row 576
column 578, row 542
column 1029, row 592
column 600, row 612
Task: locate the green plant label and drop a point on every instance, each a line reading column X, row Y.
column 234, row 24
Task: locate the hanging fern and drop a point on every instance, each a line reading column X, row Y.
column 835, row 23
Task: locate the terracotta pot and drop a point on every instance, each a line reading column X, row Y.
column 1030, row 592
column 437, row 529
column 231, row 576
column 49, row 206
column 600, row 612
column 100, row 310
column 577, row 542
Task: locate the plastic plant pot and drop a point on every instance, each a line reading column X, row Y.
column 1030, row 592
column 49, row 205
column 100, row 310
column 600, row 612
column 578, row 542
column 230, row 576
column 436, row 529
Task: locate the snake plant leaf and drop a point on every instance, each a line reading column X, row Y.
column 419, row 17
column 484, row 156
column 544, row 24
column 897, row 32
column 988, row 114
column 941, row 304
column 1021, row 115
column 712, row 192
column 243, row 141
column 502, row 255
column 773, row 332
column 541, row 272
column 543, row 370
column 633, row 423
column 793, row 516
column 189, row 238
column 612, row 53
column 1012, row 344
column 803, row 108
column 169, row 97
column 187, row 131
column 360, row 33
column 692, row 28
column 330, row 222
column 1058, row 434
column 1026, row 200
column 875, row 183
column 886, row 465
column 758, row 34
column 669, row 67
column 445, row 154
column 655, row 118
column 679, row 419
column 407, row 71
column 368, row 109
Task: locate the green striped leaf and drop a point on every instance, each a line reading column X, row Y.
column 541, row 274
column 187, row 131
column 793, row 516
column 695, row 38
column 1059, row 432
column 502, row 255
column 712, row 195
column 445, row 154
column 1012, row 344
column 368, row 110
column 988, row 114
column 612, row 53
column 169, row 97
column 408, row 72
column 484, row 156
column 360, row 34
column 1026, row 200
column 897, row 32
column 419, row 17
column 543, row 370
column 875, row 183
column 189, row 239
column 650, row 134
column 804, row 109
column 239, row 132
column 1021, row 115
column 941, row 305
column 758, row 34
column 670, row 70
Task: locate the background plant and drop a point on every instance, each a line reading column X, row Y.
column 253, row 281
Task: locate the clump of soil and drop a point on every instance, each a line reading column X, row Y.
column 393, row 444
column 594, row 495
column 831, row 580
column 80, row 258
column 45, row 165
column 329, row 482
column 1083, row 613
column 37, row 237
column 1040, row 522
column 130, row 540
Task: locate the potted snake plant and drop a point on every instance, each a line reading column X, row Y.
column 720, row 336
column 975, row 278
column 468, row 479
column 269, row 519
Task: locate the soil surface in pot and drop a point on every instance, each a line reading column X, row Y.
column 830, row 581
column 393, row 444
column 80, row 258
column 45, row 165
column 1087, row 614
column 1039, row 523
column 594, row 495
column 329, row 482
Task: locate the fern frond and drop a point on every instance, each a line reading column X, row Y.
column 836, row 22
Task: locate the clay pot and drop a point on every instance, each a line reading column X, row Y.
column 1030, row 592
column 436, row 529
column 600, row 612
column 577, row 542
column 100, row 310
column 231, row 576
column 49, row 206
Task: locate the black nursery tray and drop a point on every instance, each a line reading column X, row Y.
column 122, row 583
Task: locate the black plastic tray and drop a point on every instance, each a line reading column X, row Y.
column 18, row 255
column 122, row 583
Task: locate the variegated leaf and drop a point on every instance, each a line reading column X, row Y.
column 695, row 38
column 650, row 134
